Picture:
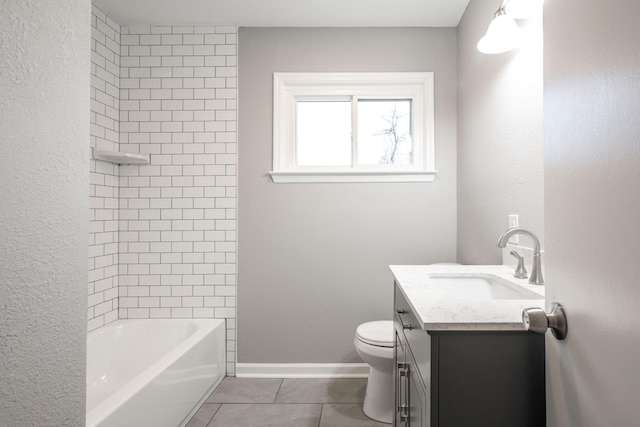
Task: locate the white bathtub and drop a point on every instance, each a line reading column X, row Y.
column 152, row 372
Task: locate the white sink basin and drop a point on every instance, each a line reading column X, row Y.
column 480, row 287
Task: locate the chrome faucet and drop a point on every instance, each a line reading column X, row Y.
column 536, row 267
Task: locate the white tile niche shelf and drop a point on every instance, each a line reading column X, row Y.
column 121, row 158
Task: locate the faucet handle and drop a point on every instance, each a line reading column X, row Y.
column 521, row 272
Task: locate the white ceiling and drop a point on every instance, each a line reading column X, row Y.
column 287, row 13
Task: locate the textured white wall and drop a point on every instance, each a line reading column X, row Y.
column 592, row 200
column 500, row 138
column 313, row 257
column 44, row 82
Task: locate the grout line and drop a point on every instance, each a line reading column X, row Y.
column 278, row 392
column 214, row 415
column 321, row 411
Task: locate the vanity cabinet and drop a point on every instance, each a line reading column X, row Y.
column 465, row 378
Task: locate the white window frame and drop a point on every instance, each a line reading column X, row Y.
column 290, row 87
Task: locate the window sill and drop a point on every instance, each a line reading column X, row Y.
column 369, row 176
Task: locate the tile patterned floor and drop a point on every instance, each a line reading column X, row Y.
column 289, row 402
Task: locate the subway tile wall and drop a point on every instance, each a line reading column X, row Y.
column 176, row 217
column 103, row 180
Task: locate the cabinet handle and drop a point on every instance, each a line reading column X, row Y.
column 401, row 311
column 404, row 414
column 409, row 327
column 403, row 369
column 401, row 392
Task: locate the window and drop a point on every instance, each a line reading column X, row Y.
column 353, row 127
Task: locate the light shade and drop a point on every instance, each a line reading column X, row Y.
column 502, row 35
column 524, row 9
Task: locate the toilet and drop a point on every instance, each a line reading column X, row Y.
column 374, row 344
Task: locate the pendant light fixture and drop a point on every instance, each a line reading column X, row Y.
column 503, row 33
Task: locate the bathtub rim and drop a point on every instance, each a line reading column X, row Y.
column 101, row 411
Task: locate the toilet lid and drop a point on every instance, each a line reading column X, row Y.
column 379, row 333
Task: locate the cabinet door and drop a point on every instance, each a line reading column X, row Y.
column 416, row 396
column 410, row 396
column 400, row 380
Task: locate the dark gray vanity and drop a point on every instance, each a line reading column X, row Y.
column 462, row 372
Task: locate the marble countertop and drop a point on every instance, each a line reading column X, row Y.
column 439, row 310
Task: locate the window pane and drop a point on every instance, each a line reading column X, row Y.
column 384, row 132
column 323, row 133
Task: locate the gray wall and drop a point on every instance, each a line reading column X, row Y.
column 592, row 199
column 500, row 138
column 44, row 169
column 313, row 257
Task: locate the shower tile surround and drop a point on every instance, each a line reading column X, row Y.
column 163, row 235
column 104, row 191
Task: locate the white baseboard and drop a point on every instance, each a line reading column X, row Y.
column 302, row 370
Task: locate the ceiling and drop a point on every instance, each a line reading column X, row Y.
column 287, row 13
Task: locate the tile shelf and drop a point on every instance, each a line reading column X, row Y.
column 121, row 158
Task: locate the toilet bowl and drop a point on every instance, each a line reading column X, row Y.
column 374, row 344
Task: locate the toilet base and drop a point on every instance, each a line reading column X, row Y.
column 378, row 399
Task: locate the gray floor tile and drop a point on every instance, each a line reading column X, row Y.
column 246, row 390
column 346, row 415
column 333, row 390
column 261, row 415
column 204, row 415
